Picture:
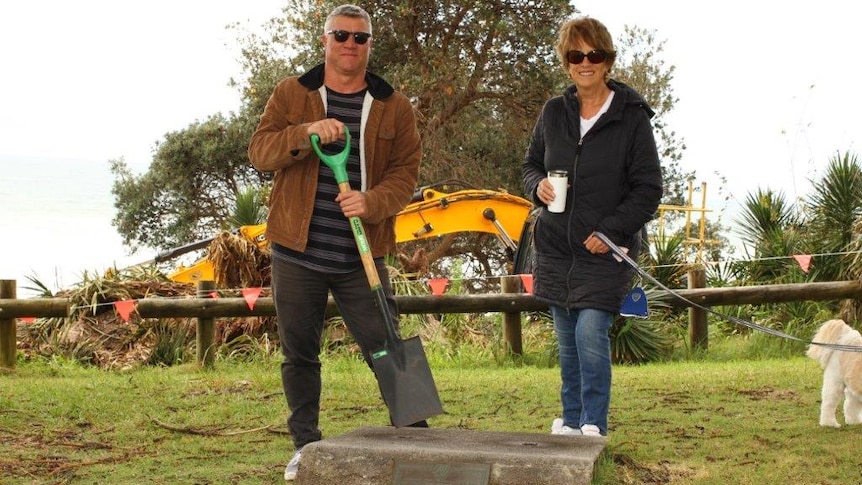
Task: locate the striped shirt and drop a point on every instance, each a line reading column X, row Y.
column 331, row 246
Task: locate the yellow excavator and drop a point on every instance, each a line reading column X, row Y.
column 436, row 210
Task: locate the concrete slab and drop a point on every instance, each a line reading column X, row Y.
column 425, row 456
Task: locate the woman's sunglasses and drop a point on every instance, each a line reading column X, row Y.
column 596, row 56
column 343, row 35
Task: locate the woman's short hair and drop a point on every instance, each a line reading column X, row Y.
column 585, row 30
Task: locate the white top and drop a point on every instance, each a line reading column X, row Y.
column 586, row 124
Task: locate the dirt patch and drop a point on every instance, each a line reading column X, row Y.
column 630, row 472
column 54, row 456
column 769, row 393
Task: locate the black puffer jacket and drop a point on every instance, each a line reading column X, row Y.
column 615, row 186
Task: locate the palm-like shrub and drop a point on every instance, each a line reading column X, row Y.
column 769, row 229
column 827, row 226
column 852, row 311
column 835, row 228
column 667, row 262
column 833, row 208
column 249, row 207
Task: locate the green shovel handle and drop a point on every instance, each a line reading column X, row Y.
column 337, row 162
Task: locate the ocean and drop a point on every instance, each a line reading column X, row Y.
column 55, row 222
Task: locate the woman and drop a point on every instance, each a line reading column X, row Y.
column 598, row 131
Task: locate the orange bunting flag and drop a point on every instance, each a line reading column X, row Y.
column 124, row 308
column 28, row 319
column 251, row 295
column 213, row 295
column 438, row 285
column 527, row 280
column 804, row 261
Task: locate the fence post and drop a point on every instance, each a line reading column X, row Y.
column 8, row 337
column 512, row 320
column 698, row 330
column 205, row 335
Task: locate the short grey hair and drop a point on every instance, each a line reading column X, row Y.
column 348, row 10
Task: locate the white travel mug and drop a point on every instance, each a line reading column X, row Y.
column 560, row 181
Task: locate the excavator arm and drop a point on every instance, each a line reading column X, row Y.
column 433, row 212
column 439, row 213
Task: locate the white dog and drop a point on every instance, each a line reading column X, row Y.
column 842, row 372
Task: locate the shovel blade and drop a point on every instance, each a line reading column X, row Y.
column 406, row 382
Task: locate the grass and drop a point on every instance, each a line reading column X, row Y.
column 703, row 422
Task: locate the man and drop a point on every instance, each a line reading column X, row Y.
column 313, row 249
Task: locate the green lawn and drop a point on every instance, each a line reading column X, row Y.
column 741, row 422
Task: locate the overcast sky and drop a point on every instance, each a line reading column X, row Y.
column 103, row 79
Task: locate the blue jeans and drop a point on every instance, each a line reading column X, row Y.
column 585, row 365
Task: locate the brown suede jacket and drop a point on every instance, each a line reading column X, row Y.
column 390, row 152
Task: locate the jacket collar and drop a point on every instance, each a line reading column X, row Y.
column 623, row 92
column 377, row 86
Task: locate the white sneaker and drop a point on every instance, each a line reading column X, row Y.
column 292, row 466
column 557, row 427
column 590, row 430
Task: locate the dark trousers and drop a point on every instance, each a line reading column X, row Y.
column 300, row 296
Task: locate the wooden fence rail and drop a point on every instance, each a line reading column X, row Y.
column 509, row 304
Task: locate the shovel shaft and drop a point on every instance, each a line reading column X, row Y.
column 338, row 164
column 362, row 244
column 371, row 271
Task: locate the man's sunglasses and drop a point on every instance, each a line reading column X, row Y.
column 596, row 56
column 342, row 36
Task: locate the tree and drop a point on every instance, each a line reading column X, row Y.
column 477, row 72
column 190, row 188
column 827, row 224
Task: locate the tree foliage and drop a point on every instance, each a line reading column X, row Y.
column 477, row 72
column 189, row 189
column 827, row 225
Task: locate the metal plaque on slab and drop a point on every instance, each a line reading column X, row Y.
column 432, row 473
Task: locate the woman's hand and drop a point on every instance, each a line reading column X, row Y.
column 545, row 191
column 595, row 245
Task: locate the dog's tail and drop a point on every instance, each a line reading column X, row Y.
column 828, row 333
